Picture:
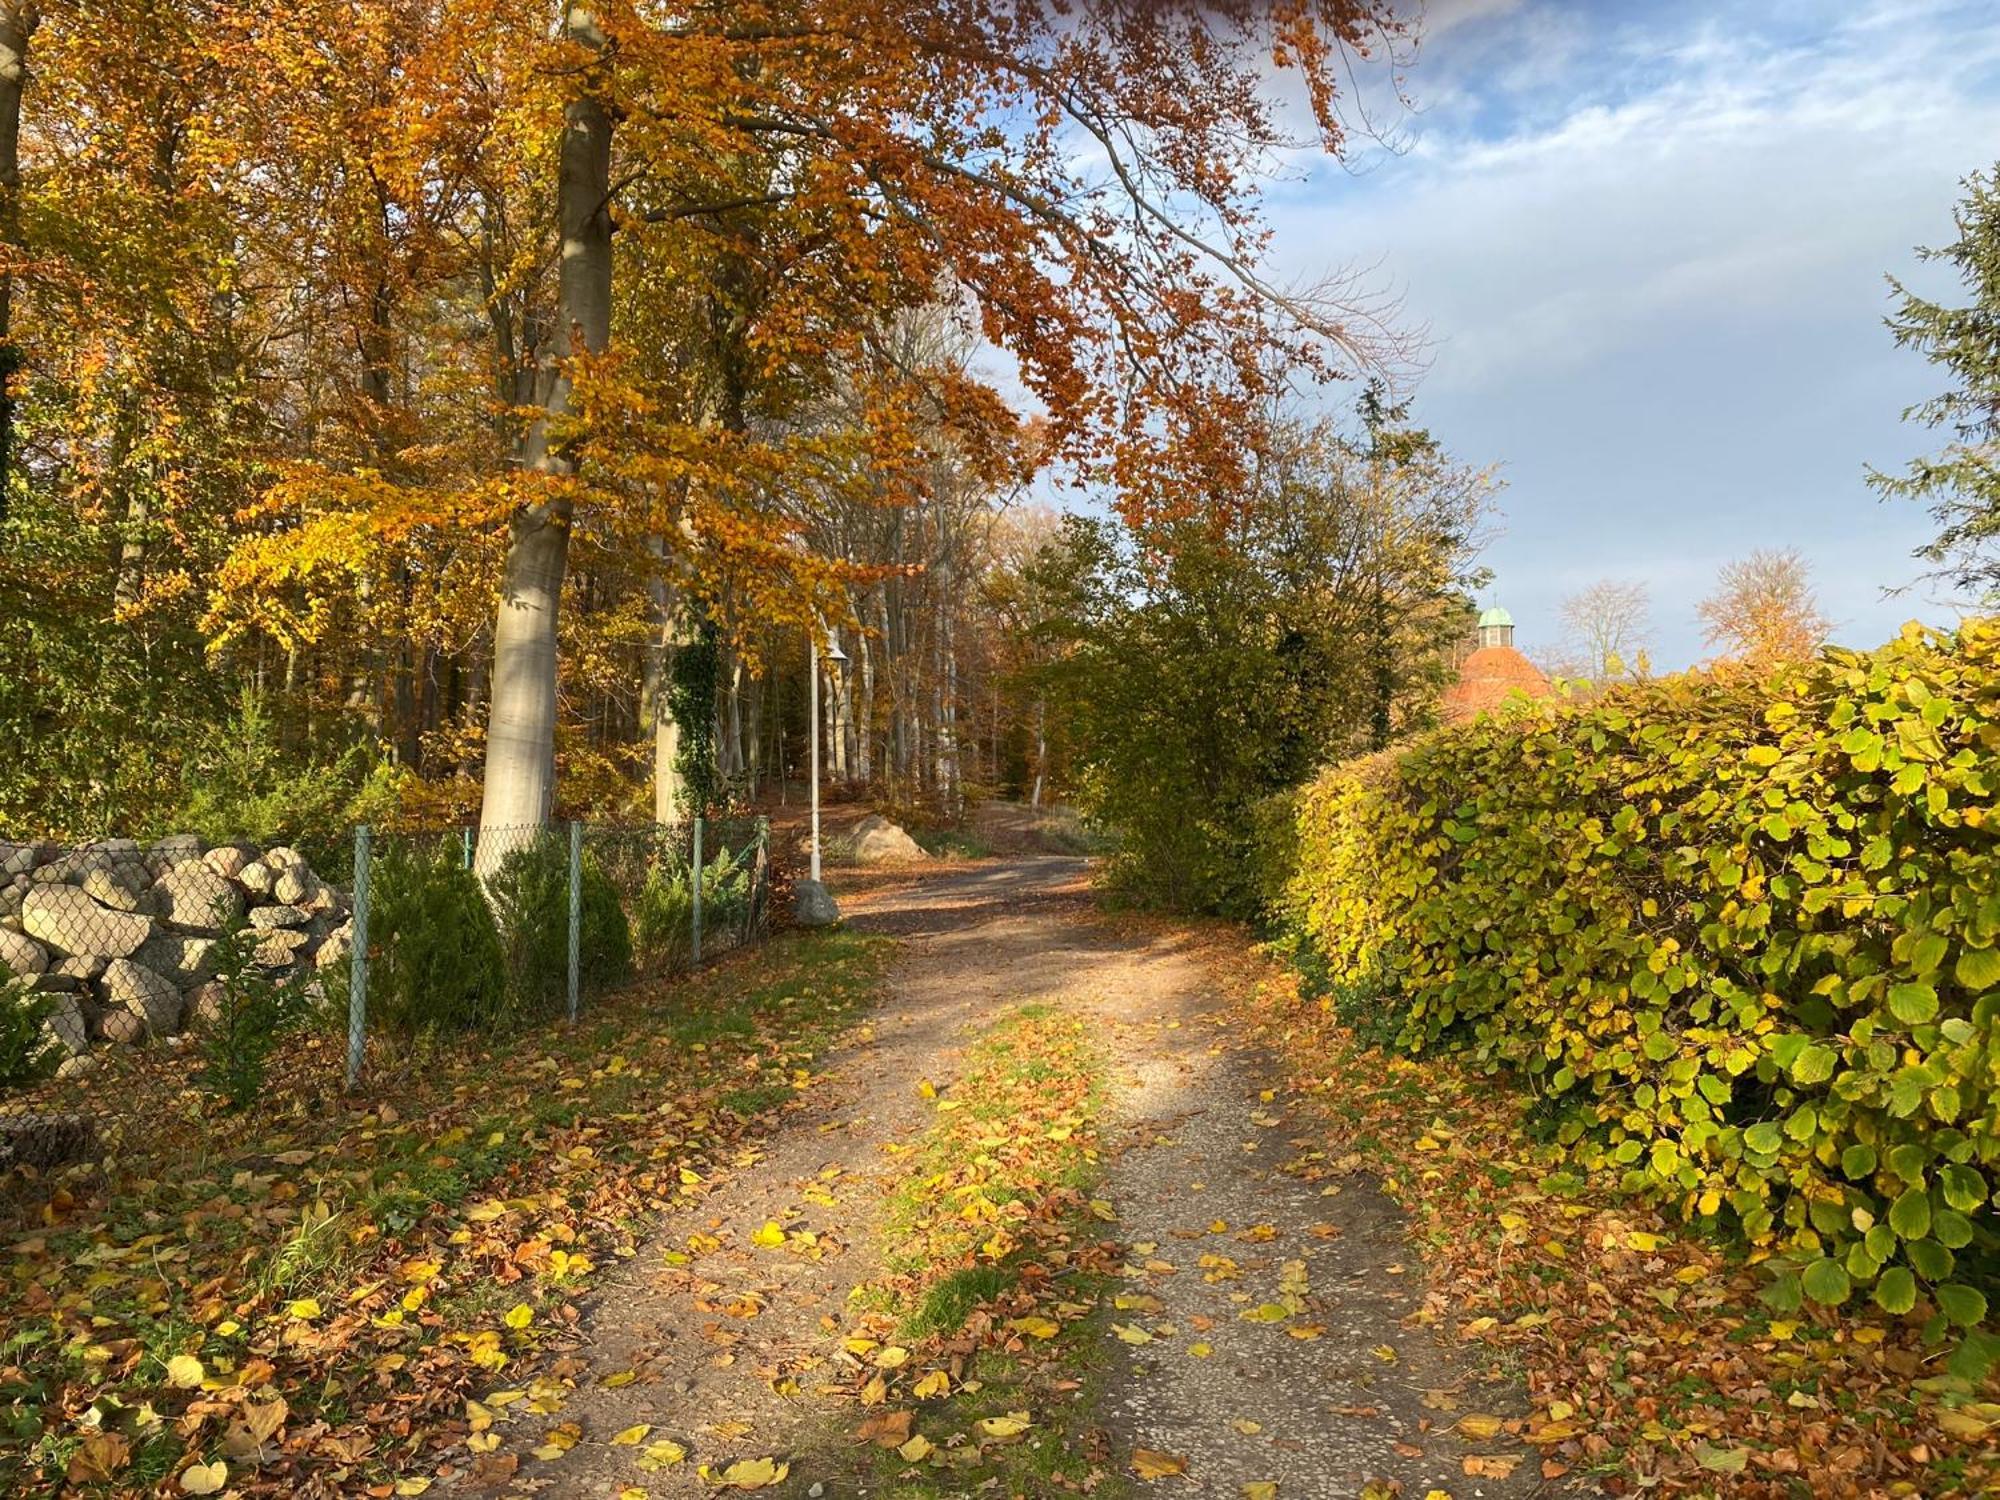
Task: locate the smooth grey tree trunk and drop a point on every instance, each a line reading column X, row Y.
column 18, row 20
column 521, row 719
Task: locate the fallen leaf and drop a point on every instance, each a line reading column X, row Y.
column 205, row 1479
column 1148, row 1464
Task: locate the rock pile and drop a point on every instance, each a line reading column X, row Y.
column 122, row 935
column 877, row 841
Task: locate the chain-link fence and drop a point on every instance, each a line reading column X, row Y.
column 142, row 988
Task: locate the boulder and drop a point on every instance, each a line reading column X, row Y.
column 80, row 1065
column 21, row 955
column 182, row 958
column 117, row 1024
column 121, row 886
column 68, row 869
column 295, row 886
column 227, row 861
column 257, row 878
column 66, row 920
column 176, row 849
column 80, row 966
column 281, row 946
column 204, row 1005
column 193, row 895
column 150, row 996
column 11, row 897
column 282, row 857
column 336, row 947
column 66, row 1026
column 18, row 859
column 53, row 983
column 877, row 841
column 813, row 904
column 265, row 918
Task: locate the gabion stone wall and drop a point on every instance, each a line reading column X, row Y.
column 121, row 934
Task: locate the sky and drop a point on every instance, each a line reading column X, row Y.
column 1647, row 244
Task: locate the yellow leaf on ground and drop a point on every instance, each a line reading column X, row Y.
column 632, row 1436
column 1150, row 1465
column 1131, row 1334
column 1010, row 1426
column 1478, row 1427
column 1037, row 1327
column 205, row 1479
column 305, row 1307
column 1491, row 1466
column 748, row 1474
column 185, row 1372
column 413, row 1486
column 926, row 1089
column 916, row 1450
column 1201, row 1351
column 771, row 1236
column 1247, row 1427
column 520, row 1315
column 632, row 1492
column 661, row 1454
column 1261, row 1489
column 622, row 1378
column 937, row 1383
column 894, row 1357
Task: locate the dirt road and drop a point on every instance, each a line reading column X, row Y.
column 1224, row 1201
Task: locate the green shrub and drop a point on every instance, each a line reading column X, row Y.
column 255, row 1007
column 1743, row 936
column 530, row 895
column 27, row 1053
column 248, row 786
column 436, row 961
column 662, row 920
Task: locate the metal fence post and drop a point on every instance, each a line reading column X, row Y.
column 694, row 881
column 357, row 971
column 466, row 839
column 760, row 876
column 575, row 913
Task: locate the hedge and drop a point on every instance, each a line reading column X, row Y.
column 1741, row 937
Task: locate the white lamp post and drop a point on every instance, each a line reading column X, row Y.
column 815, row 905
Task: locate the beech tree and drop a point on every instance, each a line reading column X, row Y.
column 1763, row 611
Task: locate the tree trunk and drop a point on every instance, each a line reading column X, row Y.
column 18, row 19
column 521, row 722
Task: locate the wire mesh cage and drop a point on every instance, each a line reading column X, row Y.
column 145, row 988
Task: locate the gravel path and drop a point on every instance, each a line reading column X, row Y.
column 1289, row 1289
column 724, row 1354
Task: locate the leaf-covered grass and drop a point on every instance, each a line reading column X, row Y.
column 996, row 1274
column 364, row 1268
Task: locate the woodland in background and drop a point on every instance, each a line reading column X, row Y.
column 679, row 333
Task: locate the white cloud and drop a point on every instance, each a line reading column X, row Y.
column 1651, row 252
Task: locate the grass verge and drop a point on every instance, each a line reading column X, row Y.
column 308, row 1304
column 996, row 1277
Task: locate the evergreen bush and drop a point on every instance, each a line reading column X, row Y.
column 436, row 961
column 530, row 896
